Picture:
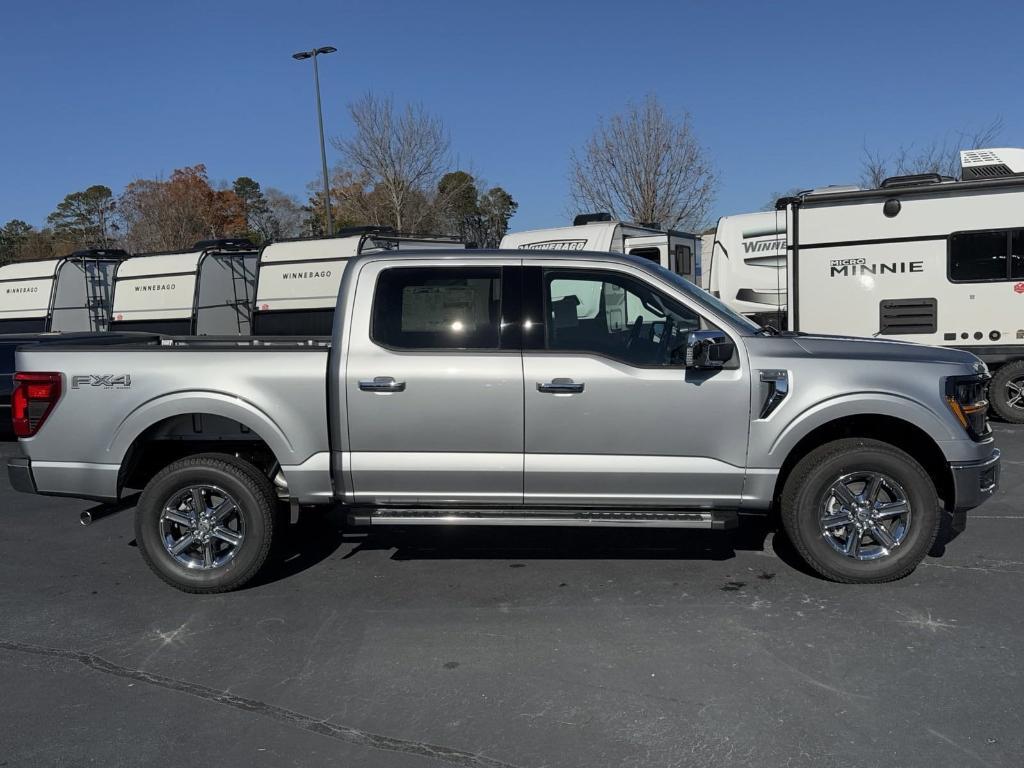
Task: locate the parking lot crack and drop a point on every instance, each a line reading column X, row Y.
column 290, row 717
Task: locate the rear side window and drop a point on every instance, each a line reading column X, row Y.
column 437, row 308
column 986, row 255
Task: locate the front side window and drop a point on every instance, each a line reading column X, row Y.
column 437, row 308
column 986, row 255
column 617, row 316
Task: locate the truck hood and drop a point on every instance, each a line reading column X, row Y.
column 858, row 348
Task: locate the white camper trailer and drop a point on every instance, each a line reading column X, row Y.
column 72, row 293
column 207, row 291
column 922, row 258
column 744, row 264
column 677, row 251
column 298, row 281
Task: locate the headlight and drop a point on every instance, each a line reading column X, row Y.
column 966, row 398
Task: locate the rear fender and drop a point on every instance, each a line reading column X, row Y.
column 212, row 403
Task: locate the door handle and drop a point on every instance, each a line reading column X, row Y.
column 560, row 387
column 382, row 384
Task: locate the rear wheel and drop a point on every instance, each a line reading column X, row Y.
column 860, row 511
column 1006, row 392
column 206, row 523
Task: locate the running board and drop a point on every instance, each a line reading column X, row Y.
column 718, row 520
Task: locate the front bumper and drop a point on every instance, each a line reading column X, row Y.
column 974, row 481
column 19, row 472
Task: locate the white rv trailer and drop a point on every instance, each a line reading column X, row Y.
column 922, row 258
column 72, row 293
column 298, row 280
column 676, row 251
column 744, row 264
column 206, row 291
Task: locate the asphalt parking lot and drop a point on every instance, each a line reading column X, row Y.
column 510, row 648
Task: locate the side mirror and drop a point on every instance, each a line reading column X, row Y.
column 708, row 349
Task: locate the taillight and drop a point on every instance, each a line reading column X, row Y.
column 34, row 396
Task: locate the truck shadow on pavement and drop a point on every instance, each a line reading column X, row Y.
column 318, row 536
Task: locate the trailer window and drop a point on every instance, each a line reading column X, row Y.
column 651, row 254
column 986, row 255
column 1017, row 255
column 684, row 261
column 437, row 308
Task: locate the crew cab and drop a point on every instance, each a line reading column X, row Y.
column 512, row 388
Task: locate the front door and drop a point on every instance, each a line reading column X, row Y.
column 434, row 387
column 613, row 418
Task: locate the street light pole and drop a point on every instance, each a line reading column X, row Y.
column 301, row 55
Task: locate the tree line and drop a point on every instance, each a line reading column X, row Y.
column 644, row 164
column 396, row 171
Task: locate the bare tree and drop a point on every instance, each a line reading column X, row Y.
column 940, row 156
column 644, row 166
column 396, row 158
column 286, row 213
column 774, row 197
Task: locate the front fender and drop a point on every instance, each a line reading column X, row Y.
column 939, row 427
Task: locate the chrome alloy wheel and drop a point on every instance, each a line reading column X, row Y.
column 1015, row 393
column 865, row 515
column 201, row 527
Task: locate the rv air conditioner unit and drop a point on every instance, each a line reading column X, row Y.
column 991, row 163
column 590, row 218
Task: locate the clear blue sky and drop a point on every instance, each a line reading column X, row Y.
column 782, row 94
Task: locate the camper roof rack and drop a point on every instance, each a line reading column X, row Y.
column 914, row 180
column 225, row 244
column 590, row 218
column 371, row 229
column 99, row 253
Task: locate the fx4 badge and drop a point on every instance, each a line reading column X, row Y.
column 104, row 381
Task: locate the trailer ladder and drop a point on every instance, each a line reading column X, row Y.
column 242, row 301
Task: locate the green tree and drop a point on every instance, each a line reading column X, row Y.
column 259, row 218
column 458, row 206
column 472, row 215
column 14, row 235
column 496, row 209
column 85, row 218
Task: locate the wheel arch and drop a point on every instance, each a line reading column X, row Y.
column 163, row 431
column 895, row 431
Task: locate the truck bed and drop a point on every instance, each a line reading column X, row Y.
column 222, row 390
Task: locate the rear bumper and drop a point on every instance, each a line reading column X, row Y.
column 59, row 478
column 974, row 481
column 19, row 472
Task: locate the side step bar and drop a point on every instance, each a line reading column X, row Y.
column 718, row 520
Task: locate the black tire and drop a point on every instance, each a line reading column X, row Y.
column 257, row 516
column 1000, row 394
column 808, row 489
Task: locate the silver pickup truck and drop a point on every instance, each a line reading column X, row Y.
column 514, row 388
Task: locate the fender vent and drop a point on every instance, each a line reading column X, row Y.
column 901, row 316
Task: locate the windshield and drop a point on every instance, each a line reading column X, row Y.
column 705, row 298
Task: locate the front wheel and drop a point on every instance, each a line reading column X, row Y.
column 1006, row 392
column 206, row 523
column 860, row 511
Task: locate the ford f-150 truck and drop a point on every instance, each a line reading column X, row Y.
column 512, row 388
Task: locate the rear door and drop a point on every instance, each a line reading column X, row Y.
column 434, row 385
column 613, row 418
